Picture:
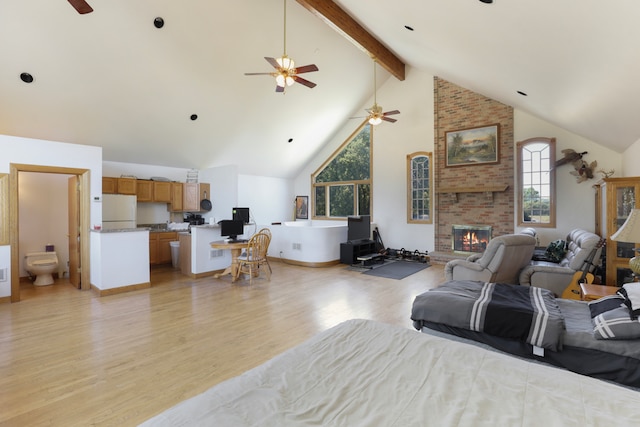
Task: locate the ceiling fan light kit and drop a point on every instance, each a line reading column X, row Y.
column 286, row 73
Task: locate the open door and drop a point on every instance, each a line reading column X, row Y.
column 74, row 231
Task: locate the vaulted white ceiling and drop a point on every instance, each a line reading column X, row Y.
column 112, row 79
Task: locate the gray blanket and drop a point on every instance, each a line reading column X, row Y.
column 525, row 313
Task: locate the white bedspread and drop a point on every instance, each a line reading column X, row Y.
column 364, row 373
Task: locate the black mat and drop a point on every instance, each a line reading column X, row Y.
column 397, row 270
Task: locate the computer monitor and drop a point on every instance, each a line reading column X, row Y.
column 241, row 214
column 231, row 228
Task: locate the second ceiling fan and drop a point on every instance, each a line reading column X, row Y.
column 286, row 73
column 376, row 116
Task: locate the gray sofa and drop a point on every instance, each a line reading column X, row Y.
column 556, row 277
column 501, row 261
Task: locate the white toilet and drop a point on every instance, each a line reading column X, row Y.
column 41, row 265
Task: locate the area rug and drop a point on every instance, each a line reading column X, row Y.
column 397, row 270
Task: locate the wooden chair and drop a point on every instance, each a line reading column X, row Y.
column 267, row 231
column 255, row 255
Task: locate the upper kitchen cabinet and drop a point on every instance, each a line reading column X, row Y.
column 127, row 186
column 109, row 185
column 162, row 191
column 144, row 190
column 177, row 190
column 193, row 193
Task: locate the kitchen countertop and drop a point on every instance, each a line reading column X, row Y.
column 120, row 230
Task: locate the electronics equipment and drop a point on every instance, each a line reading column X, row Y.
column 241, row 214
column 231, row 229
column 359, row 228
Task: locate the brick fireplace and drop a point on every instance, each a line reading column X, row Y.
column 481, row 194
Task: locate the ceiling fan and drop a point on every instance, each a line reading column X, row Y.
column 286, row 73
column 81, row 6
column 376, row 116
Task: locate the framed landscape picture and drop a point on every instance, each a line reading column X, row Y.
column 472, row 146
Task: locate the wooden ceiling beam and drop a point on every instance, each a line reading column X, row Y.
column 344, row 24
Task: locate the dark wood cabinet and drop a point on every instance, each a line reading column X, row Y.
column 349, row 252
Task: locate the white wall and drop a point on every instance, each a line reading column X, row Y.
column 269, row 199
column 575, row 201
column 391, row 143
column 630, row 163
column 48, row 153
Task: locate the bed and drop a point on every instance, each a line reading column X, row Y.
column 366, row 373
column 577, row 349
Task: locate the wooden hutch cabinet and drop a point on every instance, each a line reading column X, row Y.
column 615, row 198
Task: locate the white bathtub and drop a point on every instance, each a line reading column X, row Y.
column 309, row 243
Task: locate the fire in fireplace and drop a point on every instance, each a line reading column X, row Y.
column 470, row 238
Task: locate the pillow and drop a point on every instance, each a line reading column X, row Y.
column 556, row 251
column 607, row 303
column 631, row 294
column 616, row 324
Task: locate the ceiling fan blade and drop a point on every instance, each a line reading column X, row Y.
column 81, row 6
column 304, row 82
column 273, row 62
column 259, row 74
column 388, row 119
column 306, row 69
column 279, row 89
column 389, row 113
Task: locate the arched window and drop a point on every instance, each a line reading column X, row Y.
column 342, row 185
column 419, row 188
column 536, row 182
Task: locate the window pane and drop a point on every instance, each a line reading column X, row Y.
column 364, row 199
column 341, row 200
column 536, row 181
column 352, row 163
column 320, row 201
column 419, row 203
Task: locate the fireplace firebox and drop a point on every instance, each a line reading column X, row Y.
column 470, row 238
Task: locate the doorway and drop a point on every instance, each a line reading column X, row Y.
column 83, row 221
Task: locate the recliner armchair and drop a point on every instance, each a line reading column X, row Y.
column 501, row 261
column 556, row 277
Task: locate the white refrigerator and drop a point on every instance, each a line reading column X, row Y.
column 118, row 211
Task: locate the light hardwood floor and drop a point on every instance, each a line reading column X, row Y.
column 68, row 357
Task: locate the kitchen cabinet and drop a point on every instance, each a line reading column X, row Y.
column 162, row 191
column 127, row 186
column 193, row 194
column 185, row 253
column 191, row 197
column 109, row 185
column 144, row 190
column 176, row 197
column 615, row 199
column 159, row 246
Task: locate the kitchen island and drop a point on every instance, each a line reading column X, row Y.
column 120, row 260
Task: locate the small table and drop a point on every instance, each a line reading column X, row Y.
column 236, row 249
column 589, row 292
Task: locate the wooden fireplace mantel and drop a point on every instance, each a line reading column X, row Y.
column 454, row 191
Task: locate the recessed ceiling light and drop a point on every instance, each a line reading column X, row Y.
column 290, row 140
column 158, row 22
column 408, row 28
column 194, row 117
column 522, row 93
column 26, row 77
column 487, row 1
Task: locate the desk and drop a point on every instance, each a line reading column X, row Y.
column 236, row 249
column 591, row 292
